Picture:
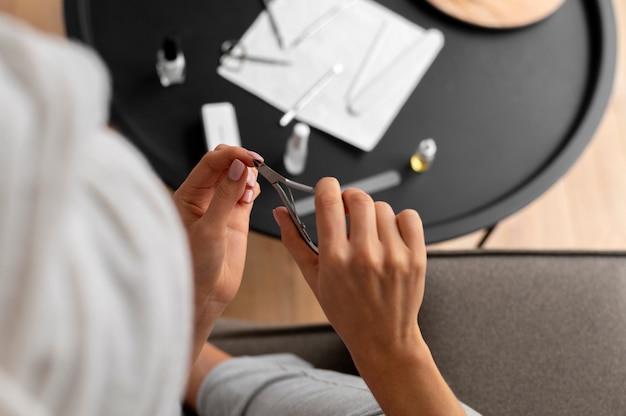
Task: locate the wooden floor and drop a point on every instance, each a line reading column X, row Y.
column 586, row 209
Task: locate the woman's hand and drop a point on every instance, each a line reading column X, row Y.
column 215, row 203
column 370, row 284
column 372, row 278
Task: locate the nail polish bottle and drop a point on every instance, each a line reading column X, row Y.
column 171, row 64
column 297, row 149
column 424, row 156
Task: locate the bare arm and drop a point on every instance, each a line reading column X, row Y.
column 371, row 285
column 209, row 357
column 406, row 381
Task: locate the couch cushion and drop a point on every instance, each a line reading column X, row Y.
column 530, row 333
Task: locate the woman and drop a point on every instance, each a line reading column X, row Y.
column 107, row 297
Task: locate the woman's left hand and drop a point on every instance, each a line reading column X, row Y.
column 215, row 203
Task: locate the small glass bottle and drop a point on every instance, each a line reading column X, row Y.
column 171, row 63
column 297, row 149
column 424, row 156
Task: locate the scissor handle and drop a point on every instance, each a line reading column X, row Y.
column 230, row 44
column 273, row 177
column 299, row 186
column 232, row 54
column 278, row 181
column 291, row 209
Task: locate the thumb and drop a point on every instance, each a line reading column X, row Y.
column 304, row 257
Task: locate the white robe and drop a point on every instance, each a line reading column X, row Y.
column 95, row 272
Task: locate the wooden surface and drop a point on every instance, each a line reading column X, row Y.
column 46, row 15
column 498, row 13
column 586, row 209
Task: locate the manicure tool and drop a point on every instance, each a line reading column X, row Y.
column 283, row 186
column 322, row 21
column 310, row 94
column 416, row 57
column 234, row 53
column 371, row 52
column 273, row 23
column 371, row 184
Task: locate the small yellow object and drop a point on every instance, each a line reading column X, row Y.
column 424, row 156
column 418, row 164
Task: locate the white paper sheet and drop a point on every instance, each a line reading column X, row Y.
column 405, row 52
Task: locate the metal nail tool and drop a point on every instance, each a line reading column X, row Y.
column 234, row 54
column 367, row 61
column 284, row 186
column 371, row 184
column 310, row 94
column 273, row 23
column 322, row 21
column 418, row 56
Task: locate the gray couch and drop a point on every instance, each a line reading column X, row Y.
column 514, row 333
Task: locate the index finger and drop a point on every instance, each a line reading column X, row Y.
column 330, row 215
column 197, row 187
column 213, row 164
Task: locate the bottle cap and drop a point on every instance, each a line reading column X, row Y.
column 427, row 148
column 171, row 47
column 302, row 130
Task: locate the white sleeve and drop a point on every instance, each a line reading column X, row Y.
column 95, row 272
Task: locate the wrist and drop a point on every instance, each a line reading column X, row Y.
column 205, row 316
column 390, row 352
column 375, row 344
column 405, row 379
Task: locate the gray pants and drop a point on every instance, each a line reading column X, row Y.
column 283, row 384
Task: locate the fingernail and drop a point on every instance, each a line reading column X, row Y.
column 255, row 156
column 251, row 177
column 236, row 170
column 247, row 196
column 275, row 216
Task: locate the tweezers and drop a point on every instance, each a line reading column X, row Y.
column 284, row 186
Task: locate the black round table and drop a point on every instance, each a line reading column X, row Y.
column 510, row 110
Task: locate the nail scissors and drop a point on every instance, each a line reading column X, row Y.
column 284, row 186
column 234, row 54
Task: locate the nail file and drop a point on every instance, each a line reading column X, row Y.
column 367, row 61
column 322, row 21
column 371, row 184
column 220, row 125
column 319, row 85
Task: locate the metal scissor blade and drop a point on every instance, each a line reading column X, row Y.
column 268, row 173
column 262, row 60
column 274, row 177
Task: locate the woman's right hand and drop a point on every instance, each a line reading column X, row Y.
column 370, row 284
